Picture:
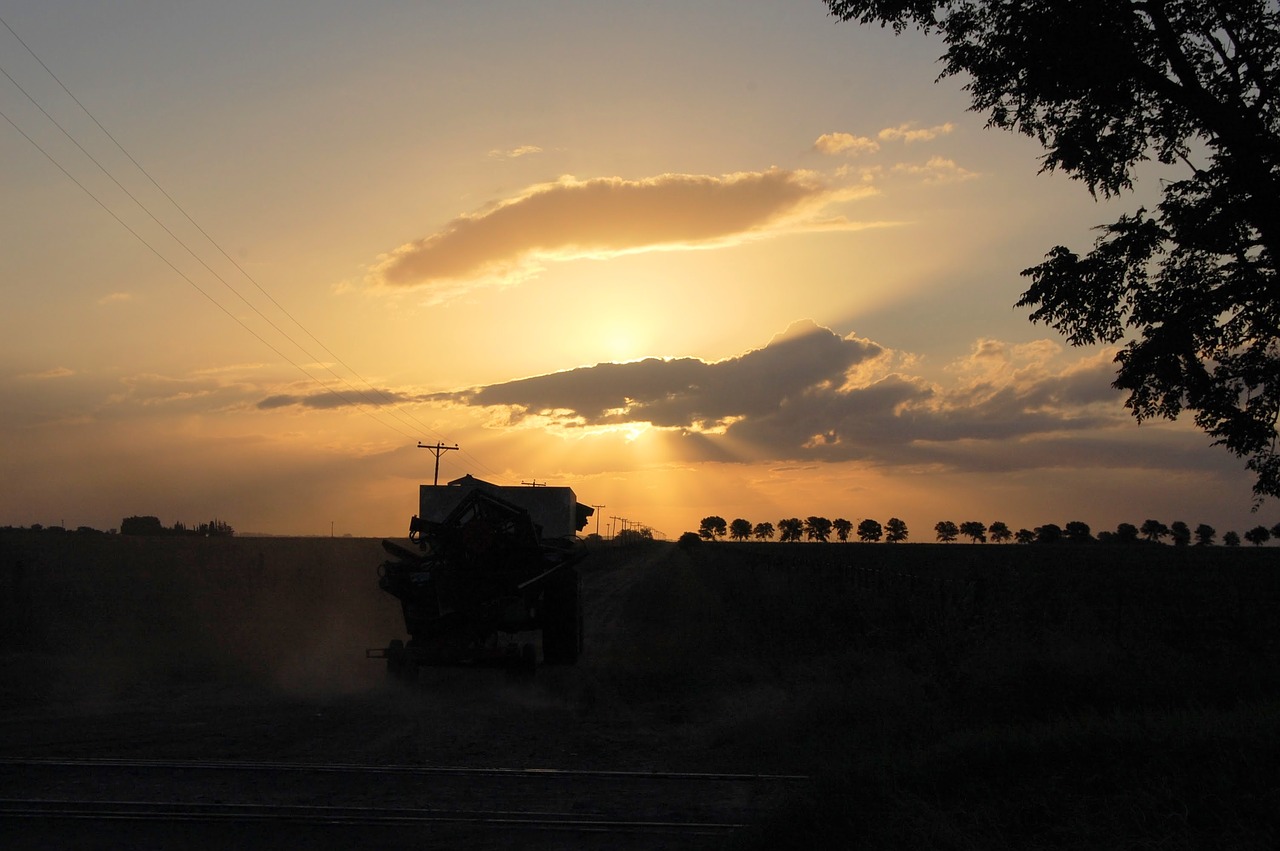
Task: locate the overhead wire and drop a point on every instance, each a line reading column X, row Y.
column 177, row 206
column 171, row 265
column 184, row 244
column 391, row 409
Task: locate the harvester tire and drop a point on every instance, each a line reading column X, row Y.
column 562, row 621
column 397, row 660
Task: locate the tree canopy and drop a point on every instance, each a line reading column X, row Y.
column 713, row 527
column 1189, row 287
column 870, row 531
column 817, row 528
column 947, row 531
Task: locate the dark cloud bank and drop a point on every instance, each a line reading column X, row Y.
column 801, row 397
column 813, row 395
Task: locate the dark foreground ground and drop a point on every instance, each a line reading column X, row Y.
column 939, row 696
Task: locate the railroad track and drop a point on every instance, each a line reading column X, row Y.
column 121, row 799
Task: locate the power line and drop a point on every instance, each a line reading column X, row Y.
column 395, row 409
column 184, row 244
column 186, row 277
column 190, row 219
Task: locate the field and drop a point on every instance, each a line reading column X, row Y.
column 957, row 696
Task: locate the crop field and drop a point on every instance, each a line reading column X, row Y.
column 937, row 696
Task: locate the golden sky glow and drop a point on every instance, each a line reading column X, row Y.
column 724, row 258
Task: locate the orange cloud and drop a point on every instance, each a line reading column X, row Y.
column 936, row 170
column 609, row 216
column 910, row 133
column 56, row 372
column 845, row 143
column 514, row 153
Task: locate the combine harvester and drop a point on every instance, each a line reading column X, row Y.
column 494, row 562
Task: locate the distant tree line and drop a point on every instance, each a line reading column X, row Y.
column 56, row 530
column 813, row 528
column 148, row 525
column 894, row 531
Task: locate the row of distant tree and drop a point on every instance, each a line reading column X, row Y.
column 145, row 525
column 795, row 529
column 895, row 531
column 148, row 525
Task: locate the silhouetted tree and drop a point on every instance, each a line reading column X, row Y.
column 713, row 527
column 628, row 537
column 1230, row 539
column 763, row 531
column 1000, row 532
column 1154, row 530
column 946, row 531
column 688, row 540
column 817, row 529
column 843, row 528
column 1049, row 533
column 1205, row 535
column 895, row 531
column 869, row 531
column 1104, row 86
column 1179, row 533
column 1275, row 531
column 1078, row 531
column 1126, row 533
column 740, row 530
column 1258, row 535
column 141, row 525
column 974, row 530
column 790, row 529
column 215, row 529
column 1024, row 536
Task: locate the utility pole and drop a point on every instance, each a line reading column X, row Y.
column 597, row 508
column 437, row 450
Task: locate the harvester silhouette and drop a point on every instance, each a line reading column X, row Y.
column 493, row 564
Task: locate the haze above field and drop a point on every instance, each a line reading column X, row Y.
column 720, row 257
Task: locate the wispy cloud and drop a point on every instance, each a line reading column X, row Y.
column 845, row 143
column 45, row 375
column 514, row 153
column 849, row 145
column 604, row 217
column 327, row 400
column 936, row 170
column 115, row 298
column 910, row 133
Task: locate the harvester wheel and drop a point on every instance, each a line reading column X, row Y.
column 396, row 658
column 562, row 621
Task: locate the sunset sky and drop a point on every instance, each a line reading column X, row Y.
column 716, row 257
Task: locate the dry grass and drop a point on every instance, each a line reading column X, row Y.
column 996, row 697
column 1064, row 697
